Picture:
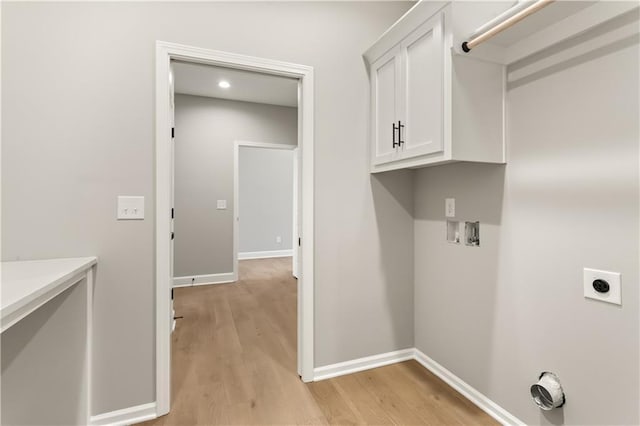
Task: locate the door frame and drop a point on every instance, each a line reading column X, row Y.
column 295, row 260
column 165, row 53
column 236, row 190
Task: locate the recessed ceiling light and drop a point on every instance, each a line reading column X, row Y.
column 224, row 84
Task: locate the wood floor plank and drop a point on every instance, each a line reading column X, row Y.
column 362, row 400
column 458, row 409
column 424, row 405
column 234, row 363
column 336, row 408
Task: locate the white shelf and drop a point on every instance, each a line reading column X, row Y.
column 27, row 285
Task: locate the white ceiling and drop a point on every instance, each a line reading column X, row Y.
column 202, row 80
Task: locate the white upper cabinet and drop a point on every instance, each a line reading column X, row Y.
column 423, row 88
column 434, row 101
column 385, row 91
column 418, row 97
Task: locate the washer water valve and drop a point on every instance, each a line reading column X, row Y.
column 547, row 393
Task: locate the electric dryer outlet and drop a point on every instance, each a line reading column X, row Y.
column 603, row 286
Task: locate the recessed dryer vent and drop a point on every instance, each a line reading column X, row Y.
column 547, row 393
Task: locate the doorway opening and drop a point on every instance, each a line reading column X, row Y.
column 267, row 201
column 165, row 54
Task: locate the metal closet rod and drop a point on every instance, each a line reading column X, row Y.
column 508, row 22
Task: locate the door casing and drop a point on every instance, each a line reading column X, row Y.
column 165, row 53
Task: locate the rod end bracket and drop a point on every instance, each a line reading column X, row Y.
column 465, row 47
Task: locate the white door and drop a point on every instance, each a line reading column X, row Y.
column 422, row 106
column 385, row 93
column 172, row 194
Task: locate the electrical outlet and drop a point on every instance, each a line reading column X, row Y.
column 450, row 207
column 602, row 285
column 278, row 239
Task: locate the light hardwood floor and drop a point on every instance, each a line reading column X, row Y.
column 234, row 362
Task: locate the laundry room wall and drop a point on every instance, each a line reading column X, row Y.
column 568, row 198
column 78, row 129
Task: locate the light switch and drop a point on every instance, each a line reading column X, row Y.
column 450, row 207
column 130, row 207
column 221, row 205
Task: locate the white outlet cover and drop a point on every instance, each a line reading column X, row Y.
column 221, row 204
column 450, row 207
column 614, row 295
column 130, row 207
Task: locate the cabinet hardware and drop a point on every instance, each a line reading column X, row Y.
column 400, row 126
column 393, row 127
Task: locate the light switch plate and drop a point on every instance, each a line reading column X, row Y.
column 221, row 205
column 614, row 295
column 130, row 207
column 450, row 207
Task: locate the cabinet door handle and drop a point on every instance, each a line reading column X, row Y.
column 393, row 133
column 400, row 126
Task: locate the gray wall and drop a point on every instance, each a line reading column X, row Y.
column 78, row 82
column 206, row 129
column 498, row 315
column 43, row 363
column 265, row 198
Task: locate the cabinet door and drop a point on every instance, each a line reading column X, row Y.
column 385, row 100
column 423, row 103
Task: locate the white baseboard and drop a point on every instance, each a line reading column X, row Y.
column 188, row 281
column 361, row 364
column 265, row 254
column 126, row 416
column 473, row 395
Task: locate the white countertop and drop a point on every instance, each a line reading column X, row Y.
column 27, row 285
